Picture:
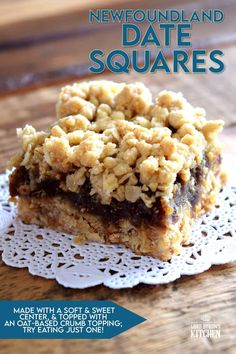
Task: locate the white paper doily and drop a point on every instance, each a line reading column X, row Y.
column 53, row 255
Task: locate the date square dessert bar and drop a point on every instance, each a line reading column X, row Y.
column 118, row 167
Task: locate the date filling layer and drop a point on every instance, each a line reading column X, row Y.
column 187, row 194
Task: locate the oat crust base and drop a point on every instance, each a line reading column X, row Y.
column 58, row 214
column 159, row 242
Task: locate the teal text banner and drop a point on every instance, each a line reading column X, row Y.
column 64, row 319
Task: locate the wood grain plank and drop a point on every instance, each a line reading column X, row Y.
column 169, row 309
column 58, row 46
column 30, row 10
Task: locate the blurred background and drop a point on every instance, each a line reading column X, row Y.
column 42, row 41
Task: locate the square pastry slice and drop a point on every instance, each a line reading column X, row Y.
column 118, row 167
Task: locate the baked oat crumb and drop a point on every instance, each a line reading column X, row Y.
column 123, row 142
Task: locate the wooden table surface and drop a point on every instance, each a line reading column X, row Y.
column 32, row 70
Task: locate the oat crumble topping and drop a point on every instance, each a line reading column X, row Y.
column 115, row 136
